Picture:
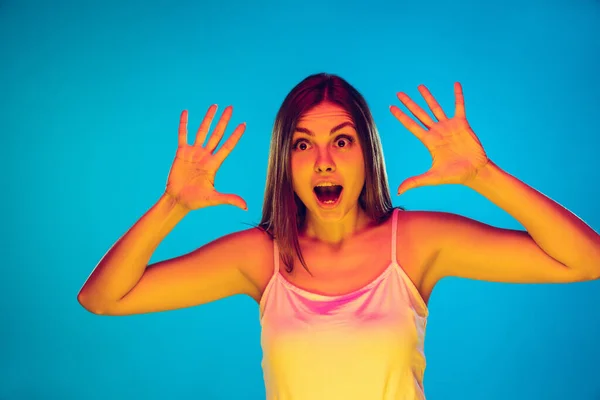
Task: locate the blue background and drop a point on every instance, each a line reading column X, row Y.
column 91, row 97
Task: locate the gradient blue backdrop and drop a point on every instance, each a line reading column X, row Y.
column 91, row 98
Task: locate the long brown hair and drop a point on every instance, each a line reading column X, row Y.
column 283, row 212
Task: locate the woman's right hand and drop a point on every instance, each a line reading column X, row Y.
column 192, row 176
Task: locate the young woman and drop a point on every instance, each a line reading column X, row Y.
column 341, row 277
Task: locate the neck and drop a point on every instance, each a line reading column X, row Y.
column 334, row 232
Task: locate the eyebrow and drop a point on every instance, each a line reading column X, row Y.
column 333, row 130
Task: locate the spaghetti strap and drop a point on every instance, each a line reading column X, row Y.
column 265, row 294
column 394, row 230
column 275, row 258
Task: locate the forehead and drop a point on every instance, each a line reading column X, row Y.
column 324, row 114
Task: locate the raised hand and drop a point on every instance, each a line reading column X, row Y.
column 457, row 155
column 192, row 176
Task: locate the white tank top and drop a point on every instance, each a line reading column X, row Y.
column 364, row 345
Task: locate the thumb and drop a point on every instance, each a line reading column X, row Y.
column 426, row 179
column 234, row 200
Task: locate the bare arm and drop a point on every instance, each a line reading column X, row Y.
column 121, row 284
column 124, row 264
column 557, row 246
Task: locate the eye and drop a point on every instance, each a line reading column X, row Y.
column 338, row 139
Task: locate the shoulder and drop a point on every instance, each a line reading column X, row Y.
column 434, row 230
column 256, row 247
column 429, row 225
column 420, row 235
column 418, row 224
column 437, row 237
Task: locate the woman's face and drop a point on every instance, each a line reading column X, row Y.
column 326, row 148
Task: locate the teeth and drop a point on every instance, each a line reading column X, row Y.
column 326, row 184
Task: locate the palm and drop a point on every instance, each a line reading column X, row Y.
column 455, row 150
column 193, row 174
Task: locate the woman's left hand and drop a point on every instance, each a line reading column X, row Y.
column 457, row 155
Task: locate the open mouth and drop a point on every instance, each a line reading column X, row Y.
column 328, row 195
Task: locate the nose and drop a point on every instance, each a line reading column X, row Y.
column 324, row 163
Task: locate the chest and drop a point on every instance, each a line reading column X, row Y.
column 334, row 273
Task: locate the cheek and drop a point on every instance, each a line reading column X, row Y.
column 300, row 176
column 302, row 163
column 355, row 167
